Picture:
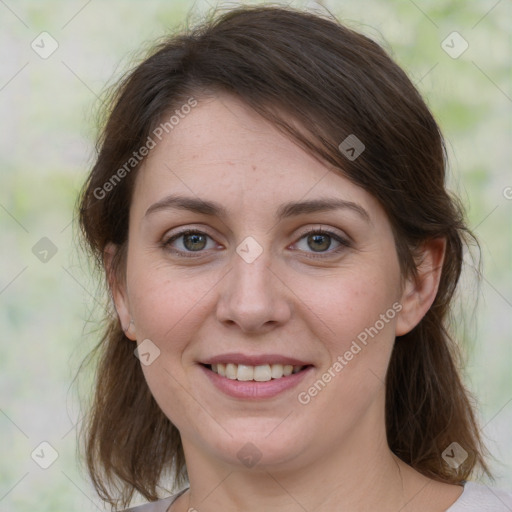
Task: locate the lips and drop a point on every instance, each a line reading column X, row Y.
column 252, row 389
column 254, row 360
column 254, row 376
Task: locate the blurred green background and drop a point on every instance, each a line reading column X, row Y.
column 48, row 116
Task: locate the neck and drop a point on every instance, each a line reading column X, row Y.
column 359, row 474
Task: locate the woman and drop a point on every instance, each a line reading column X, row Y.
column 269, row 208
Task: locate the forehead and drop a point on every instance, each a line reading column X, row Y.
column 223, row 149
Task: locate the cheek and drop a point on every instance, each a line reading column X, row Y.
column 353, row 305
column 358, row 323
column 164, row 302
column 166, row 310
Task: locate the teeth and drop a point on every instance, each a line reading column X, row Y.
column 231, row 371
column 245, row 372
column 276, row 371
column 261, row 373
column 221, row 369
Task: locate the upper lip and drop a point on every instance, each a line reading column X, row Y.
column 254, row 360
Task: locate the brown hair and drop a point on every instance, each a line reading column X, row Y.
column 332, row 82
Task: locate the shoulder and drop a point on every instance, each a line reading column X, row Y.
column 156, row 506
column 481, row 498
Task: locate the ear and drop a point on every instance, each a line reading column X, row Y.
column 419, row 292
column 118, row 292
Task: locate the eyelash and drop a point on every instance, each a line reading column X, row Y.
column 344, row 243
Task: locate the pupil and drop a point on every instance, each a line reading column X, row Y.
column 318, row 242
column 195, row 239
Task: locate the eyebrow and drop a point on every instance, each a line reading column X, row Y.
column 286, row 210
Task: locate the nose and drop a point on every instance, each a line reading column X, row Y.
column 253, row 297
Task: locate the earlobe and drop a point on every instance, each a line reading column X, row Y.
column 129, row 329
column 420, row 291
column 118, row 292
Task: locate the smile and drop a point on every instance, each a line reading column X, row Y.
column 259, row 373
column 263, row 379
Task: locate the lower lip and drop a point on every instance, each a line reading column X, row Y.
column 252, row 389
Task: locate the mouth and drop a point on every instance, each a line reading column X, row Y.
column 254, row 377
column 258, row 373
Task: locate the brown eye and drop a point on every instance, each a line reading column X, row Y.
column 187, row 242
column 319, row 242
column 194, row 241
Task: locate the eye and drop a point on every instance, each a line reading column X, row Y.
column 320, row 241
column 190, row 241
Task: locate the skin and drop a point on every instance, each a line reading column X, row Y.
column 330, row 454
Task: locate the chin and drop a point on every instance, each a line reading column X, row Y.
column 264, row 443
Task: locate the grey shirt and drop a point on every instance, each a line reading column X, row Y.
column 475, row 498
column 157, row 506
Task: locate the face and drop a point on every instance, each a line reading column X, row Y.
column 238, row 273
